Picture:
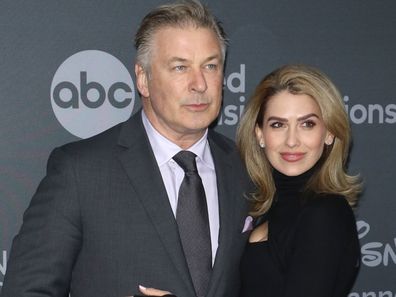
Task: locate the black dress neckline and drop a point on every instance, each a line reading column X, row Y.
column 288, row 187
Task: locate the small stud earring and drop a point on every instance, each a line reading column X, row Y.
column 262, row 145
column 329, row 142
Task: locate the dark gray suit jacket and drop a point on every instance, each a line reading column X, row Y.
column 100, row 222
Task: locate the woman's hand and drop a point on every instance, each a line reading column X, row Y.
column 153, row 292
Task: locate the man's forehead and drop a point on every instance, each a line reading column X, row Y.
column 166, row 32
column 173, row 48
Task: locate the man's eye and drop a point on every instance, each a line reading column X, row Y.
column 180, row 68
column 211, row 66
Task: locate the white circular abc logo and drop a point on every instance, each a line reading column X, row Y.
column 91, row 91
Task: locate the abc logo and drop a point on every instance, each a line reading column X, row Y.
column 91, row 91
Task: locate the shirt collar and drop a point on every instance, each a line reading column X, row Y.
column 164, row 149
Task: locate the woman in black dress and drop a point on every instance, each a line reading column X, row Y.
column 294, row 138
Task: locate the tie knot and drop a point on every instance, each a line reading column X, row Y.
column 186, row 160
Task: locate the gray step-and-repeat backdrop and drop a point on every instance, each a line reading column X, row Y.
column 66, row 72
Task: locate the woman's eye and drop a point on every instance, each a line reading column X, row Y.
column 309, row 124
column 276, row 125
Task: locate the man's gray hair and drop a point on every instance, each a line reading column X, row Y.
column 178, row 14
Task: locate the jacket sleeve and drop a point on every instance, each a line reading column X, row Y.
column 44, row 251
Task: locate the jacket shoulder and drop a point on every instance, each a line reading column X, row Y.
column 221, row 141
column 103, row 139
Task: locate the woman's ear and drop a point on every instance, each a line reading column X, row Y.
column 142, row 81
column 259, row 136
column 329, row 139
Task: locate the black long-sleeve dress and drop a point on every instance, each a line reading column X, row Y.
column 312, row 248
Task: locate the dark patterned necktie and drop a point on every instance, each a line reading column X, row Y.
column 193, row 222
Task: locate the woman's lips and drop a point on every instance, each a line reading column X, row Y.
column 292, row 157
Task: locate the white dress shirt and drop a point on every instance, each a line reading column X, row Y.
column 173, row 174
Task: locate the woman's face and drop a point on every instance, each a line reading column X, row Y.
column 293, row 133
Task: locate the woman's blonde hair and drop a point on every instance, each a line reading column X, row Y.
column 331, row 176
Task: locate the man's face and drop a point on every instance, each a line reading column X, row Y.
column 182, row 94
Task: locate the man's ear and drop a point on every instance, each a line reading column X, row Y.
column 142, row 81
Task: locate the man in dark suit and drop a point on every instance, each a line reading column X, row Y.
column 103, row 220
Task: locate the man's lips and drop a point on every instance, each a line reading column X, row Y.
column 292, row 157
column 197, row 107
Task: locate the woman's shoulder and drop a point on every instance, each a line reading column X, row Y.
column 326, row 202
column 327, row 209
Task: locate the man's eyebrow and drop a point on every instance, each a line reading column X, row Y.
column 177, row 59
column 214, row 57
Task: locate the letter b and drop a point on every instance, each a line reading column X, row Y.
column 85, row 87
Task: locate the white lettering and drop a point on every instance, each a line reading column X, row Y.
column 363, row 228
column 3, row 265
column 236, row 76
column 369, row 257
column 388, row 251
column 232, row 113
column 370, row 114
column 372, row 294
column 361, row 111
column 375, row 107
column 388, row 294
column 390, row 111
column 375, row 253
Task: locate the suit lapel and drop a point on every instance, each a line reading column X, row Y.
column 138, row 160
column 224, row 177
